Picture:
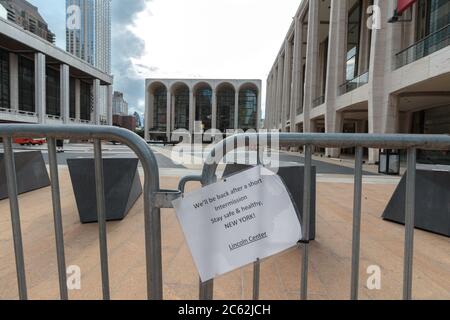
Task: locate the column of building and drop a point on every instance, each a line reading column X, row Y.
column 64, row 86
column 147, row 115
column 279, row 102
column 40, row 86
column 191, row 110
column 109, row 106
column 14, row 81
column 287, row 82
column 335, row 73
column 312, row 56
column 267, row 117
column 214, row 109
column 168, row 114
column 297, row 73
column 386, row 40
column 77, row 100
column 95, row 115
column 236, row 109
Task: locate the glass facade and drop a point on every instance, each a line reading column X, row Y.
column 203, row 107
column 4, row 80
column 433, row 121
column 353, row 35
column 432, row 16
column 160, row 109
column 225, row 108
column 181, row 97
column 26, row 85
column 72, row 99
column 248, row 109
column 86, row 99
column 53, row 92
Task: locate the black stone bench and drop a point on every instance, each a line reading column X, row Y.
column 121, row 184
column 432, row 212
column 30, row 171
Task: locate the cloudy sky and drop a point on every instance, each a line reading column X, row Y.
column 187, row 39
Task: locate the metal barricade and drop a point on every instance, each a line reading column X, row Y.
column 308, row 141
column 154, row 199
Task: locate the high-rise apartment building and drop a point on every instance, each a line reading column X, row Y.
column 120, row 106
column 88, row 34
column 27, row 16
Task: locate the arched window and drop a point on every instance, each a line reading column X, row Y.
column 248, row 107
column 181, row 106
column 203, row 106
column 160, row 108
column 225, row 107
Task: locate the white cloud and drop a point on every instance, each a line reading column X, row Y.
column 212, row 38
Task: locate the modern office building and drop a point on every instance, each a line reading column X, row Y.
column 200, row 104
column 120, row 106
column 88, row 36
column 40, row 83
column 366, row 66
column 27, row 16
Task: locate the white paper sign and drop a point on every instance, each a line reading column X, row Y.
column 234, row 222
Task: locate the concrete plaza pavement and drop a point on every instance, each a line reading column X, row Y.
column 330, row 255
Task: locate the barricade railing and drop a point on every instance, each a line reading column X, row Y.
column 308, row 141
column 154, row 199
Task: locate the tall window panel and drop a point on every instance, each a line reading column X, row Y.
column 203, row 107
column 353, row 35
column 72, row 99
column 26, row 85
column 86, row 100
column 4, row 80
column 53, row 92
column 225, row 109
column 248, row 109
column 160, row 109
column 182, row 108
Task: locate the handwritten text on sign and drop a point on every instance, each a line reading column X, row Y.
column 234, row 222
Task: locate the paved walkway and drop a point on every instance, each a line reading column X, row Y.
column 382, row 245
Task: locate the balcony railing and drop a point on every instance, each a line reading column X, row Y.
column 53, row 117
column 317, row 102
column 355, row 83
column 432, row 43
column 18, row 112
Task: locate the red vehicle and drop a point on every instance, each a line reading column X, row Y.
column 29, row 141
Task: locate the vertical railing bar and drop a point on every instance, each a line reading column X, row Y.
column 409, row 224
column 356, row 242
column 11, row 180
column 59, row 234
column 101, row 215
column 257, row 263
column 256, row 279
column 206, row 290
column 306, row 219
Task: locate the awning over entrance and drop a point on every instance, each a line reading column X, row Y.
column 403, row 5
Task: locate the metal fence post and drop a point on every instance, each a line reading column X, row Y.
column 409, row 224
column 306, row 219
column 356, row 223
column 59, row 234
column 11, row 180
column 101, row 214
